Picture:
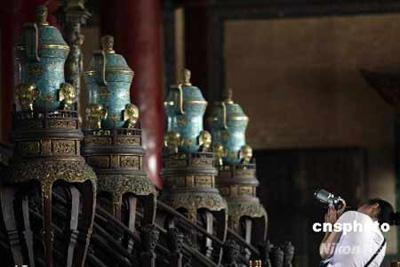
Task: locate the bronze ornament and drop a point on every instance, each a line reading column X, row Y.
column 27, row 94
column 130, row 115
column 94, row 114
column 67, row 95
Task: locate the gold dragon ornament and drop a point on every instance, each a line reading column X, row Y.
column 130, row 115
column 94, row 114
column 219, row 154
column 67, row 96
column 172, row 141
column 204, row 141
column 245, row 154
column 27, row 94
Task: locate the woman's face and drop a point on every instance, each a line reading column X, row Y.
column 370, row 210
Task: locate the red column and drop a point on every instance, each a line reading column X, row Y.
column 9, row 27
column 13, row 14
column 136, row 26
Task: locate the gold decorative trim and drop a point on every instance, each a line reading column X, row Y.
column 195, row 200
column 49, row 171
column 195, row 102
column 120, row 184
column 49, row 46
column 239, row 118
column 199, row 102
column 93, row 72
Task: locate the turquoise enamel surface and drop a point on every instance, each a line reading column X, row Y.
column 47, row 70
column 112, row 90
column 228, row 125
column 188, row 123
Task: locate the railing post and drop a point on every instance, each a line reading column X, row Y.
column 231, row 253
column 277, row 257
column 265, row 249
column 175, row 244
column 149, row 236
column 288, row 250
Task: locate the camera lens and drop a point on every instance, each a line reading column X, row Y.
column 324, row 196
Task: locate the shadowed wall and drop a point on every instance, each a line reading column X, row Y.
column 299, row 82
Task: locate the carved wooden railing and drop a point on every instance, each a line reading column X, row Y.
column 166, row 243
column 172, row 249
column 106, row 248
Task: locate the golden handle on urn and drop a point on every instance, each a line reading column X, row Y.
column 186, row 82
column 107, row 44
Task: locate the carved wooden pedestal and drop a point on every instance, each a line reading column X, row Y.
column 247, row 216
column 117, row 158
column 189, row 187
column 47, row 154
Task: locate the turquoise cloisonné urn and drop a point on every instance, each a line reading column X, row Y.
column 228, row 125
column 184, row 108
column 41, row 55
column 108, row 82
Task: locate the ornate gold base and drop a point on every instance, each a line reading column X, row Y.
column 238, row 185
column 189, row 183
column 117, row 158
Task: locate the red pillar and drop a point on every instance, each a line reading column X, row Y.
column 10, row 22
column 136, row 26
column 13, row 14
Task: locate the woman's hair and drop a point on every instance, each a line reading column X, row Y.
column 386, row 212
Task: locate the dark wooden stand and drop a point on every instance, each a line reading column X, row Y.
column 189, row 187
column 117, row 158
column 47, row 152
column 247, row 216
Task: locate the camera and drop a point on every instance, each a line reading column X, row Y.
column 328, row 198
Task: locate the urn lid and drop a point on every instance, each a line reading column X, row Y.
column 106, row 61
column 234, row 110
column 227, row 112
column 188, row 93
column 39, row 36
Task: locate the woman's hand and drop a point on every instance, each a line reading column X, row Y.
column 331, row 215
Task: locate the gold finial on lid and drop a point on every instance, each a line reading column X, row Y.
column 228, row 98
column 41, row 13
column 107, row 43
column 186, row 77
